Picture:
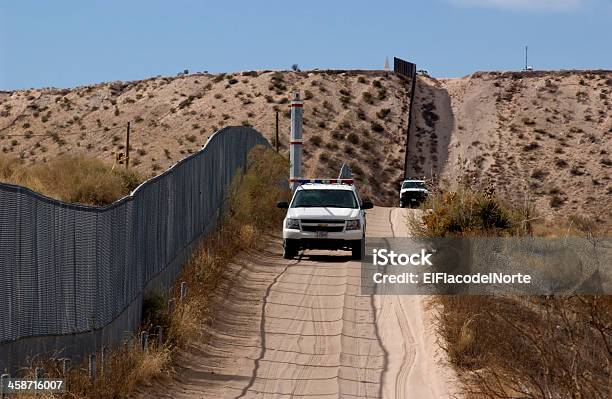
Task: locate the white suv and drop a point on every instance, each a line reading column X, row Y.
column 412, row 193
column 324, row 214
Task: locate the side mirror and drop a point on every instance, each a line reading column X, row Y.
column 367, row 205
column 282, row 205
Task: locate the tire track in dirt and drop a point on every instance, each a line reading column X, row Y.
column 262, row 328
column 304, row 330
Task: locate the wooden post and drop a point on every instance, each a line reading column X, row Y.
column 127, row 147
column 276, row 140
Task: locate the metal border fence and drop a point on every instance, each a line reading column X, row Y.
column 407, row 69
column 72, row 277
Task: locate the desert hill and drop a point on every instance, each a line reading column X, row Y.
column 355, row 116
column 544, row 137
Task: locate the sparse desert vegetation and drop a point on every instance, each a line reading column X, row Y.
column 494, row 128
column 172, row 117
column 71, row 178
column 508, row 346
column 506, row 131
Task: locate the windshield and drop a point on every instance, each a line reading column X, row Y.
column 414, row 184
column 324, row 198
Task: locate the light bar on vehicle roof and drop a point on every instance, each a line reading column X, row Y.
column 325, row 181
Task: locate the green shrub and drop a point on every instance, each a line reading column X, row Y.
column 377, row 127
column 383, row 113
column 367, row 97
column 382, row 93
column 316, row 140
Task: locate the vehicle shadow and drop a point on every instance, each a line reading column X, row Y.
column 340, row 258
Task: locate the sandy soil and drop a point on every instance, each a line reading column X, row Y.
column 541, row 137
column 301, row 329
column 358, row 117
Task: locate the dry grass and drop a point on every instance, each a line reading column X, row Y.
column 519, row 346
column 466, row 212
column 251, row 212
column 521, row 123
column 529, row 347
column 71, row 178
column 121, row 373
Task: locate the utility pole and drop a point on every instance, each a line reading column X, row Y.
column 127, row 147
column 526, row 63
column 276, row 140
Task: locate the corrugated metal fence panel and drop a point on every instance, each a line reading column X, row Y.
column 403, row 67
column 69, row 269
column 407, row 69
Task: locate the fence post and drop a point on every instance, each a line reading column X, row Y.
column 128, row 340
column 183, row 290
column 3, row 383
column 92, row 367
column 276, row 140
column 171, row 304
column 160, row 337
column 103, row 360
column 144, row 341
column 65, row 366
column 127, row 147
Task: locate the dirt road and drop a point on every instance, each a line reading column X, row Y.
column 295, row 329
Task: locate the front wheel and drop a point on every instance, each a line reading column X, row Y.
column 402, row 205
column 289, row 249
column 357, row 249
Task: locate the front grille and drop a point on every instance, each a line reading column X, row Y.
column 329, row 221
column 414, row 194
column 331, row 229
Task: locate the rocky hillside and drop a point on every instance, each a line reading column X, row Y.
column 541, row 137
column 349, row 116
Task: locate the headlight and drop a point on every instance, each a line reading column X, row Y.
column 353, row 224
column 292, row 224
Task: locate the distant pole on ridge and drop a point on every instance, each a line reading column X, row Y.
column 127, row 147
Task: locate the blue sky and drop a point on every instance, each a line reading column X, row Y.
column 69, row 43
